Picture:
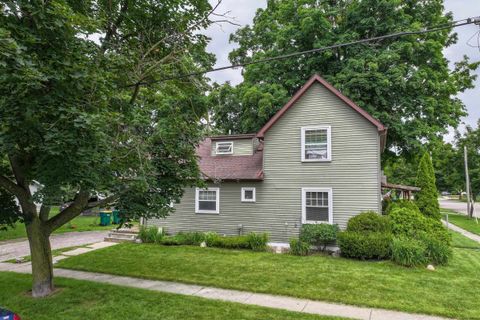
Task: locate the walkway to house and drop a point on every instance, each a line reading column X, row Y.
column 250, row 298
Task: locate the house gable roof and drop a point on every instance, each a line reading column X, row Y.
column 314, row 79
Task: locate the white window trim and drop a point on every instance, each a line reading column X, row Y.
column 304, row 203
column 197, row 193
column 249, row 189
column 329, row 143
column 223, row 142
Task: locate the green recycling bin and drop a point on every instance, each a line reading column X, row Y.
column 105, row 218
column 116, row 216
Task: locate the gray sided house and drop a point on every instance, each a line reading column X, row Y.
column 316, row 161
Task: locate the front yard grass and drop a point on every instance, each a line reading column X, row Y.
column 80, row 223
column 450, row 291
column 462, row 221
column 78, row 300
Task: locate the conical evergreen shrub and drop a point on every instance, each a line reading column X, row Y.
column 427, row 198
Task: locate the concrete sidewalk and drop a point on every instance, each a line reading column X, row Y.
column 249, row 298
column 468, row 234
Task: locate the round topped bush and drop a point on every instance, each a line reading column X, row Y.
column 369, row 221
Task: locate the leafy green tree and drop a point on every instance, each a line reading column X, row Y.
column 427, row 198
column 81, row 116
column 404, row 82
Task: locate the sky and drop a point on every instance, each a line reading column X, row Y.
column 243, row 11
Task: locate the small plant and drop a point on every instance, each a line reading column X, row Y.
column 436, row 251
column 257, row 241
column 408, row 252
column 191, row 238
column 210, row 238
column 401, row 203
column 364, row 245
column 299, row 248
column 150, row 234
column 319, row 235
column 369, row 221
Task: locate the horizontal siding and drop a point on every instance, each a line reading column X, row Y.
column 241, row 147
column 353, row 174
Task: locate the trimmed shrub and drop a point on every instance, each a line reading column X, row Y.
column 408, row 252
column 236, row 242
column 434, row 228
column 257, row 241
column 319, row 235
column 172, row 241
column 299, row 248
column 364, row 245
column 427, row 198
column 407, row 222
column 369, row 221
column 210, row 238
column 436, row 251
column 150, row 234
column 401, row 203
column 191, row 238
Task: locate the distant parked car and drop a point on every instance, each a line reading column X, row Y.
column 446, row 193
column 8, row 315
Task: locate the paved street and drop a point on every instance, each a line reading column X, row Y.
column 458, row 206
column 13, row 249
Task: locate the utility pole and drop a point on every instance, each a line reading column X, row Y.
column 467, row 181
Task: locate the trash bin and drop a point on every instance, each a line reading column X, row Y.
column 116, row 216
column 105, row 218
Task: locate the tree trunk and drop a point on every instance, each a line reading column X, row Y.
column 40, row 251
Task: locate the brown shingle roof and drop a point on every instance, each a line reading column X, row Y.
column 229, row 167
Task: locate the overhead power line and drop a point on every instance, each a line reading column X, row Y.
column 453, row 24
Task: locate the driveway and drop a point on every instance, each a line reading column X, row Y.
column 458, row 206
column 13, row 249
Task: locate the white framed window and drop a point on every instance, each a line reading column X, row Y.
column 316, row 144
column 248, row 194
column 224, row 147
column 317, row 205
column 207, row 200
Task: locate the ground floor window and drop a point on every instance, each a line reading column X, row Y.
column 207, row 200
column 248, row 195
column 317, row 205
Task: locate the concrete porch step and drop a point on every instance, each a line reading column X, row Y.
column 122, row 235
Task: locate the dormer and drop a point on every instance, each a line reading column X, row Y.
column 233, row 145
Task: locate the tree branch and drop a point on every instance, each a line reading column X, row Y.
column 12, row 187
column 74, row 209
column 101, row 203
column 44, row 212
column 112, row 29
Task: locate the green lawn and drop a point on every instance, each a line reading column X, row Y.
column 80, row 223
column 78, row 300
column 462, row 221
column 450, row 291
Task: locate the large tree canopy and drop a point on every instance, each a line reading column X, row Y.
column 404, row 82
column 76, row 119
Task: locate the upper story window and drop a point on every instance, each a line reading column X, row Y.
column 207, row 200
column 224, row 147
column 248, row 195
column 316, row 144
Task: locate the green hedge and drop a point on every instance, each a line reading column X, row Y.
column 364, row 245
column 252, row 241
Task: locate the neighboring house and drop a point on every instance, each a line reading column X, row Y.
column 316, row 161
